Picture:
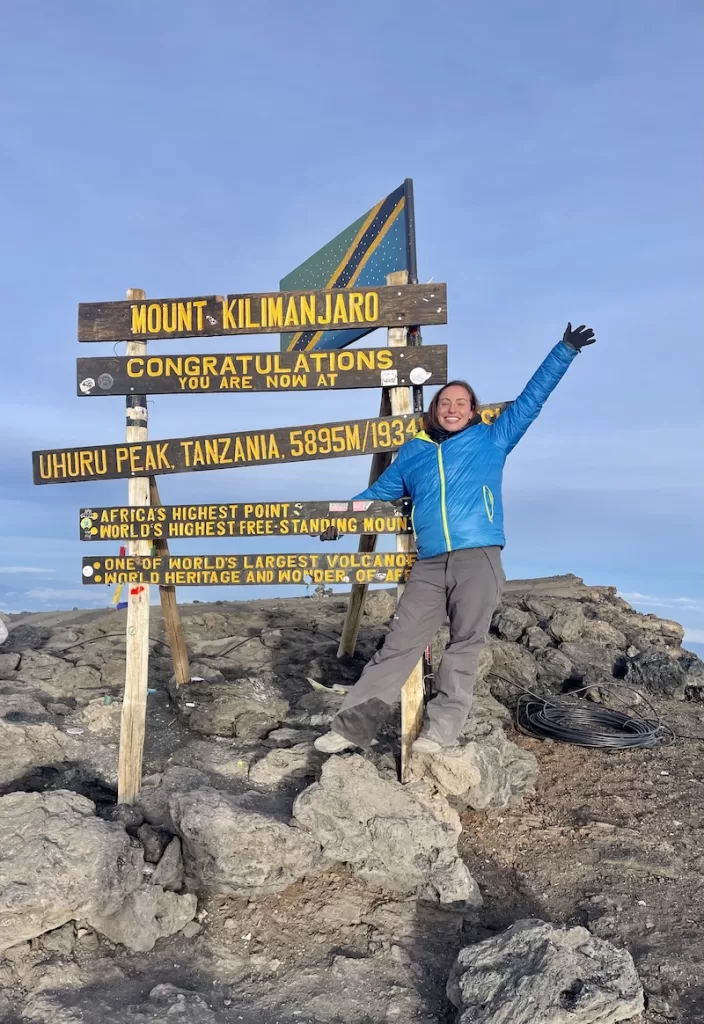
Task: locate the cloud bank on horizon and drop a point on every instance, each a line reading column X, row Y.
column 555, row 156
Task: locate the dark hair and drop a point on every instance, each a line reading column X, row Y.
column 430, row 419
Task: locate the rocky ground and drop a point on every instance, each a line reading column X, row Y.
column 258, row 882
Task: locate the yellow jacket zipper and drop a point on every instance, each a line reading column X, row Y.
column 443, row 507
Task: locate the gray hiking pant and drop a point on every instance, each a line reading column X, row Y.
column 463, row 585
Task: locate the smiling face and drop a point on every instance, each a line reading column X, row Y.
column 455, row 408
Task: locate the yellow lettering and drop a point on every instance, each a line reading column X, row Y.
column 291, row 313
column 169, row 325
column 198, row 306
column 228, row 314
column 385, row 359
column 135, row 367
column 248, row 314
column 328, row 310
column 356, row 301
column 371, row 307
column 139, row 319
column 340, row 314
column 153, row 317
column 275, row 313
column 302, row 364
column 307, row 309
column 185, row 316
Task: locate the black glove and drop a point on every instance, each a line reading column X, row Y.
column 332, row 533
column 579, row 337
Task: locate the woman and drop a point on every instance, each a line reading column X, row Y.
column 452, row 471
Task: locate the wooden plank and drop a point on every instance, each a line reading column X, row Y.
column 250, row 519
column 250, row 569
column 231, row 372
column 134, row 703
column 229, row 451
column 169, row 605
column 210, row 316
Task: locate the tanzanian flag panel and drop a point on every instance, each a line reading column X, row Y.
column 360, row 256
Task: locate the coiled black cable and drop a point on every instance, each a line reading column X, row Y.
column 586, row 724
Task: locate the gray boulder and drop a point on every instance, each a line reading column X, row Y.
column 385, row 834
column 229, row 848
column 147, row 914
column 567, row 624
column 57, row 678
column 247, row 708
column 480, row 774
column 169, row 871
column 535, row 973
column 58, row 862
column 283, row 766
column 592, row 663
column 535, row 639
column 153, row 800
column 512, row 668
column 27, row 744
column 554, row 669
column 511, row 623
column 656, row 671
column 380, row 604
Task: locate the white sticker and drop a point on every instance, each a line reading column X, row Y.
column 87, row 385
column 389, row 377
column 87, row 570
column 360, row 506
column 338, row 506
column 419, row 376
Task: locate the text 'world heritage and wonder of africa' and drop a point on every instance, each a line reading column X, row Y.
column 227, row 570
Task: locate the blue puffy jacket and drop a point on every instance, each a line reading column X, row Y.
column 456, row 487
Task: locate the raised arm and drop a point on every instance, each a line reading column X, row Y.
column 510, row 427
column 389, row 486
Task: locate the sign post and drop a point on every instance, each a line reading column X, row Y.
column 134, row 703
column 169, row 606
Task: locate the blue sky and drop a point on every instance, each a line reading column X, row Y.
column 200, row 148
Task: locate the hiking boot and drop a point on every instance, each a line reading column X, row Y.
column 424, row 745
column 333, row 743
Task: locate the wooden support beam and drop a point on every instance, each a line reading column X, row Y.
column 134, row 702
column 169, row 607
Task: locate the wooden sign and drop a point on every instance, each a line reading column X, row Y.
column 225, row 570
column 262, row 371
column 262, row 519
column 210, row 316
column 230, row 451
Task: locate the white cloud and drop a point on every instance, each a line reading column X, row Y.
column 692, row 604
column 23, row 569
column 48, row 594
column 694, row 636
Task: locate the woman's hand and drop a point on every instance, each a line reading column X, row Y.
column 579, row 337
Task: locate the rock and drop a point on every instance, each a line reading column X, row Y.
column 284, row 766
column 183, row 1004
column 60, row 940
column 191, row 930
column 601, row 632
column 152, row 842
column 592, row 664
column 380, row 604
column 26, row 748
column 148, row 914
column 535, row 973
column 230, row 848
column 384, row 834
column 554, row 668
column 248, row 708
column 20, row 708
column 8, row 662
column 511, row 623
column 169, row 871
column 536, row 639
column 227, row 759
column 287, row 737
column 512, row 667
column 102, row 719
column 693, row 666
column 567, row 624
column 57, row 678
column 129, row 815
column 320, row 707
column 59, row 862
column 153, row 801
column 658, row 672
column 492, row 773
